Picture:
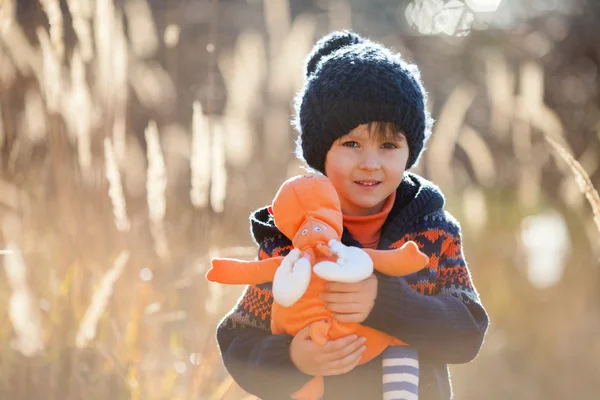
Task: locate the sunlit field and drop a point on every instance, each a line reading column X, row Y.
column 136, row 138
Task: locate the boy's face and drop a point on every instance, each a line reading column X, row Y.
column 366, row 168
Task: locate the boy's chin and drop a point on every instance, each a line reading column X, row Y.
column 367, row 207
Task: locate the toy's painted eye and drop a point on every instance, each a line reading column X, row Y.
column 317, row 229
column 304, row 231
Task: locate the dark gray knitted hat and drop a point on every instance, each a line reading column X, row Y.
column 351, row 81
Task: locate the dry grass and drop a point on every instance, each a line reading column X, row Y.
column 103, row 294
column 581, row 177
column 89, row 323
column 118, row 304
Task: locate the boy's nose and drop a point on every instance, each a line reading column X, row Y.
column 370, row 161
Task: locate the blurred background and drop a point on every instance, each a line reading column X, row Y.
column 136, row 136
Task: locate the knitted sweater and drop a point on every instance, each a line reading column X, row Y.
column 436, row 310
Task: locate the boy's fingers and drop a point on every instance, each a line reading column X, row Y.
column 343, row 308
column 346, row 351
column 342, row 287
column 338, row 344
column 349, row 318
column 337, row 297
column 347, row 363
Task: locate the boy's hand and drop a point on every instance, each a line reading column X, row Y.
column 351, row 302
column 334, row 358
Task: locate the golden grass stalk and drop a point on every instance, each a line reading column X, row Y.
column 222, row 389
column 447, row 131
column 581, row 177
column 8, row 72
column 33, row 119
column 52, row 79
column 244, row 76
column 81, row 14
column 475, row 208
column 479, row 154
column 25, row 319
column 159, row 236
column 156, row 178
column 8, row 9
column 115, row 189
column 297, row 44
column 200, row 164
column 89, row 323
column 218, row 187
column 531, row 103
column 135, row 337
column 80, row 109
column 55, row 20
column 286, row 75
column 12, row 197
column 153, row 85
column 141, row 28
column 2, row 134
column 215, row 296
column 277, row 20
column 286, row 63
column 120, row 78
column 500, row 81
column 23, row 307
column 171, row 35
column 156, row 184
column 104, row 27
column 23, row 54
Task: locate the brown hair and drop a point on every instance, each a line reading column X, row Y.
column 385, row 130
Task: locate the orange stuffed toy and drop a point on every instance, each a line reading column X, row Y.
column 307, row 209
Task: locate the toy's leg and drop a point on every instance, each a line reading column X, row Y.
column 312, row 390
column 353, row 264
column 400, row 373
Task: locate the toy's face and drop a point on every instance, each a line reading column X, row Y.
column 313, row 232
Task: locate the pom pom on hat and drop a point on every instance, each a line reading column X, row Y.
column 328, row 45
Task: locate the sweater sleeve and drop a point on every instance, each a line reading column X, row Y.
column 256, row 359
column 448, row 327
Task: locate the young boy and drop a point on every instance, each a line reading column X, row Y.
column 363, row 121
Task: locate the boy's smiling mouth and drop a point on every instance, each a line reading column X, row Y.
column 367, row 182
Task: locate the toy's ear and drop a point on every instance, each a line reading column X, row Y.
column 270, row 210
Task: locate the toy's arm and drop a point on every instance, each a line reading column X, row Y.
column 237, row 272
column 405, row 260
column 292, row 278
column 352, row 264
column 355, row 264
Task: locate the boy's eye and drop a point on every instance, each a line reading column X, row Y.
column 350, row 143
column 389, row 145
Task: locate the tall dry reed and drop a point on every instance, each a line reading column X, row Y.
column 581, row 177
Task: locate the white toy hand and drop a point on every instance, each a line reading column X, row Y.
column 353, row 264
column 291, row 279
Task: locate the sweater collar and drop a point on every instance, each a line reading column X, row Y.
column 416, row 197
